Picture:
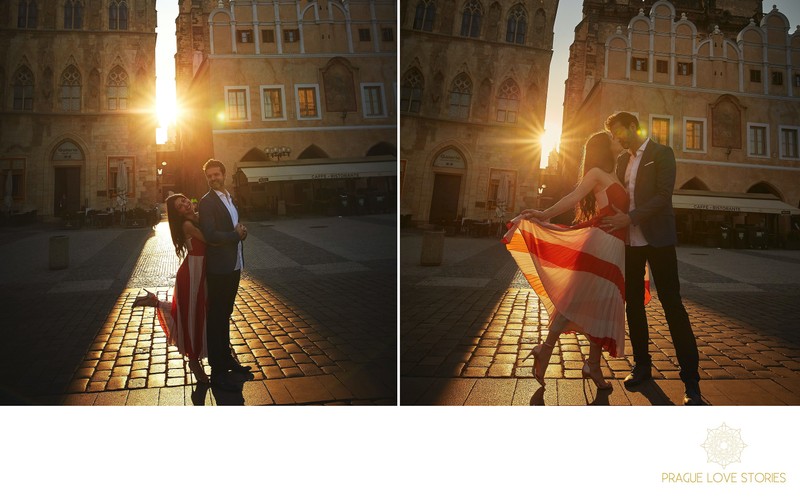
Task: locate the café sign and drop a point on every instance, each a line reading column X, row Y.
column 330, row 176
column 67, row 151
column 450, row 158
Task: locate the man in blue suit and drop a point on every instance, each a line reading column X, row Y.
column 647, row 170
column 219, row 222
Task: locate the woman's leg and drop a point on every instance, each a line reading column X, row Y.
column 543, row 352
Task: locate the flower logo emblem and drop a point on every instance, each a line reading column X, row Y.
column 724, row 445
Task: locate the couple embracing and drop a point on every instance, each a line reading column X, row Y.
column 591, row 274
column 209, row 243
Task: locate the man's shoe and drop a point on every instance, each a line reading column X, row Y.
column 239, row 367
column 639, row 375
column 225, row 381
column 692, row 397
column 241, row 375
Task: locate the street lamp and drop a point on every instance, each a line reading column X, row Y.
column 278, row 152
column 160, row 172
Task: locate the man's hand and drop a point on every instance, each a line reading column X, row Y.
column 617, row 221
column 242, row 231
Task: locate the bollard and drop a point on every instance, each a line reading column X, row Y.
column 59, row 252
column 432, row 248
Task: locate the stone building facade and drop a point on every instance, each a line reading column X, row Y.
column 719, row 83
column 77, row 95
column 473, row 80
column 297, row 98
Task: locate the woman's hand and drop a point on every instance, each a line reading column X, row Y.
column 532, row 214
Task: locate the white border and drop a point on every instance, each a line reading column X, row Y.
column 705, row 134
column 261, row 102
column 297, row 101
column 766, row 140
column 382, row 97
column 246, row 90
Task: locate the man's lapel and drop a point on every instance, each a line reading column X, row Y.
column 646, row 164
column 222, row 208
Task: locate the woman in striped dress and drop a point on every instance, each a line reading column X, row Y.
column 578, row 271
column 184, row 319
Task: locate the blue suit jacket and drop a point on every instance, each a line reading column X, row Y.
column 220, row 234
column 652, row 196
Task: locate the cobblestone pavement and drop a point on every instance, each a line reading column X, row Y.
column 316, row 316
column 468, row 327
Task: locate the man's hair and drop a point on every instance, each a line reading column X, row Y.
column 212, row 163
column 623, row 118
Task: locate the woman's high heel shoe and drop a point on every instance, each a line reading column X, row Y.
column 537, row 360
column 596, row 375
column 198, row 371
column 149, row 299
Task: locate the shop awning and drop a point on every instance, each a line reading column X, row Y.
column 726, row 202
column 319, row 169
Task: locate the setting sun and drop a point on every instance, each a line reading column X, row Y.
column 549, row 140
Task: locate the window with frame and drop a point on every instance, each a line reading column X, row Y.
column 23, row 89
column 115, row 165
column 387, row 34
column 70, row 90
column 660, row 130
column 694, row 135
column 244, row 36
column 517, row 25
column 291, row 35
column 685, row 68
column 411, row 91
column 797, row 80
column 639, row 64
column 272, row 102
column 27, row 14
column 307, row 103
column 777, row 78
column 755, row 75
column 758, row 140
column 424, row 15
column 501, row 190
column 118, row 15
column 236, row 102
column 460, row 97
column 662, row 66
column 117, row 89
column 14, row 168
column 73, row 15
column 471, row 19
column 364, row 35
column 372, row 95
column 789, row 143
column 268, row 36
column 508, row 98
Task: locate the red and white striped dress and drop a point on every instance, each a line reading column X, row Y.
column 184, row 319
column 578, row 271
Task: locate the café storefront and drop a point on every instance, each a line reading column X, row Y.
column 730, row 220
column 317, row 186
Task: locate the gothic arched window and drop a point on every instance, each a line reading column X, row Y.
column 460, row 97
column 73, row 15
column 118, row 15
column 508, row 101
column 117, row 89
column 23, row 89
column 26, row 14
column 471, row 19
column 70, row 95
column 425, row 15
column 517, row 25
column 411, row 91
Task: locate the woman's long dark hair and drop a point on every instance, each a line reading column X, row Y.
column 175, row 220
column 596, row 153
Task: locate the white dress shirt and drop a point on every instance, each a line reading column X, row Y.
column 228, row 202
column 635, row 235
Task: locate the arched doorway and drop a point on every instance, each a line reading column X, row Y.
column 449, row 168
column 68, row 163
